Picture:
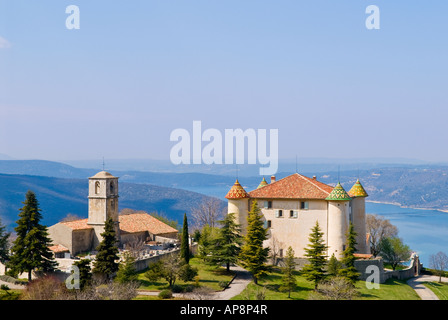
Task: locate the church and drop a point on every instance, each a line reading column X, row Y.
column 292, row 205
column 84, row 235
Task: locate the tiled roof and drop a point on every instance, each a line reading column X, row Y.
column 58, row 248
column 338, row 194
column 262, row 183
column 236, row 192
column 77, row 224
column 294, row 186
column 103, row 175
column 357, row 190
column 129, row 223
column 139, row 222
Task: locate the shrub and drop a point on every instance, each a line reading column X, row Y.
column 176, row 288
column 187, row 272
column 189, row 288
column 223, row 284
column 165, row 294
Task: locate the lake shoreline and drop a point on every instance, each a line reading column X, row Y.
column 405, row 207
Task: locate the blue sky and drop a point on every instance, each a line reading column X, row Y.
column 137, row 70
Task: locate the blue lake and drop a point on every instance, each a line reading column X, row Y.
column 424, row 231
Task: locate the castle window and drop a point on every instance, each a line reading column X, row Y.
column 304, row 205
column 267, row 224
column 97, row 187
column 268, row 204
column 278, row 213
column 111, row 187
column 293, row 213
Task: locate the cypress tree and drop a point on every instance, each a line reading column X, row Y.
column 226, row 247
column 126, row 270
column 85, row 274
column 349, row 271
column 184, row 244
column 105, row 263
column 316, row 254
column 253, row 256
column 30, row 250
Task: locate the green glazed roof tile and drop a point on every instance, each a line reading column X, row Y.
column 338, row 194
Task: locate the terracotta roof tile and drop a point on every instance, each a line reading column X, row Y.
column 130, row 223
column 58, row 248
column 139, row 222
column 294, row 186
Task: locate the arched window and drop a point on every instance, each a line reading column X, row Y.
column 97, row 187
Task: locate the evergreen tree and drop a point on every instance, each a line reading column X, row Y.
column 348, row 270
column 105, row 263
column 30, row 250
column 126, row 270
column 85, row 274
column 253, row 256
column 316, row 254
column 226, row 247
column 184, row 244
column 333, row 267
column 206, row 243
column 4, row 244
column 288, row 278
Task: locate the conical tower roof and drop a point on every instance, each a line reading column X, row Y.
column 237, row 192
column 338, row 193
column 357, row 190
column 262, row 183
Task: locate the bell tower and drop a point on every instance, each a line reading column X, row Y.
column 103, row 204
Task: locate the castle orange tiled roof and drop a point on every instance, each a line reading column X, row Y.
column 130, row 223
column 295, row 186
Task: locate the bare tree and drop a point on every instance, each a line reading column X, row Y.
column 70, row 217
column 439, row 262
column 379, row 228
column 276, row 247
column 207, row 213
column 335, row 288
column 135, row 246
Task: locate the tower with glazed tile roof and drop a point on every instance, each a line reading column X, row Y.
column 238, row 203
column 292, row 205
column 358, row 207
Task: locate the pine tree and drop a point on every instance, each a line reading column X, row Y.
column 349, row 271
column 4, row 244
column 253, row 256
column 226, row 247
column 288, row 278
column 333, row 266
column 30, row 250
column 105, row 263
column 316, row 254
column 184, row 244
column 126, row 270
column 85, row 274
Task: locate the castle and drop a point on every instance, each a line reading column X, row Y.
column 292, row 205
column 84, row 235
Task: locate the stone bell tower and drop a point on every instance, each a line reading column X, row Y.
column 103, row 204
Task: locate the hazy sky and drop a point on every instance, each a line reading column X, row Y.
column 137, row 70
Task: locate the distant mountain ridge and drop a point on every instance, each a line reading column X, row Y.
column 59, row 197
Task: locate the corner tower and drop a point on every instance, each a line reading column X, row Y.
column 338, row 220
column 103, row 204
column 359, row 194
column 238, row 203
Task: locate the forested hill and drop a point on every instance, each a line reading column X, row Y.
column 59, row 197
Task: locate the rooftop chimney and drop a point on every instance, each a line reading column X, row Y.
column 314, row 178
column 272, row 179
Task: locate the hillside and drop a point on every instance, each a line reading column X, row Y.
column 58, row 197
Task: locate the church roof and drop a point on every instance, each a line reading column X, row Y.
column 58, row 248
column 102, row 175
column 139, row 222
column 338, row 194
column 262, row 183
column 129, row 223
column 357, row 190
column 237, row 192
column 295, row 186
